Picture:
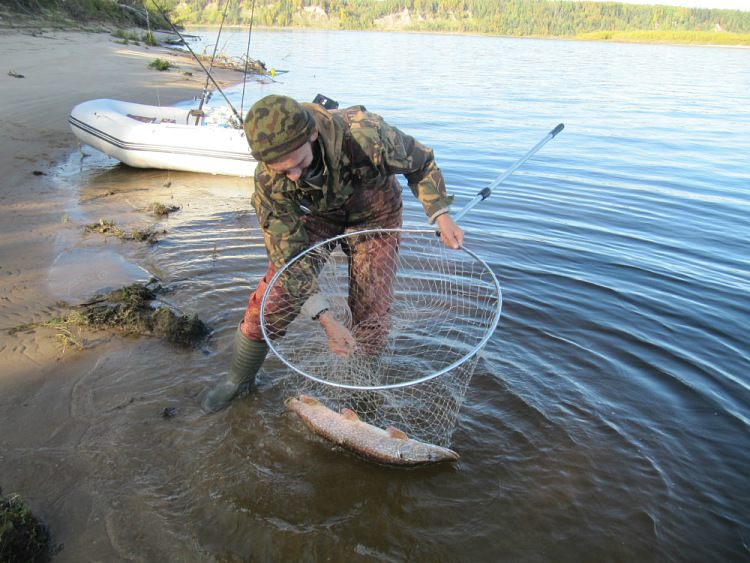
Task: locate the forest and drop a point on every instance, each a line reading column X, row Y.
column 536, row 18
column 597, row 21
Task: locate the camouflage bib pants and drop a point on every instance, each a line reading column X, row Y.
column 372, row 267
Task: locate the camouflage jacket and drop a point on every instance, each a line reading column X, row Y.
column 362, row 152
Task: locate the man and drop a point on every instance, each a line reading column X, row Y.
column 321, row 174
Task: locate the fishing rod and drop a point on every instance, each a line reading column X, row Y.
column 486, row 192
column 247, row 56
column 166, row 17
column 204, row 96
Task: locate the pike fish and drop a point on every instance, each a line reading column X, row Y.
column 390, row 446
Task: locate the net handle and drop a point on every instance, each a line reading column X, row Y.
column 486, row 192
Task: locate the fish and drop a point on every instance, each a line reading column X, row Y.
column 389, row 447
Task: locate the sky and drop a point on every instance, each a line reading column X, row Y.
column 718, row 4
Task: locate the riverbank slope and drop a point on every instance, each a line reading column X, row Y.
column 44, row 74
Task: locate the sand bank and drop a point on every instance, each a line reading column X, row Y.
column 60, row 69
column 38, row 426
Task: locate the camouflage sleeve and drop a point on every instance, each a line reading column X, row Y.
column 405, row 155
column 284, row 235
column 280, row 220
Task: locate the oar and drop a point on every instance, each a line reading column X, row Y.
column 485, row 193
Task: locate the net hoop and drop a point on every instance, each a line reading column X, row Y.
column 466, row 357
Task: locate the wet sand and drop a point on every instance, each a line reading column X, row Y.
column 39, row 429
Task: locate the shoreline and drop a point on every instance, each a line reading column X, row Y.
column 46, row 73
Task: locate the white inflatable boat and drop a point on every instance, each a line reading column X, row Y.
column 164, row 137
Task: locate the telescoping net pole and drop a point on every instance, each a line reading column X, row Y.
column 420, row 313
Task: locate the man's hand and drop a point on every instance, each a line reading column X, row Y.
column 450, row 233
column 340, row 339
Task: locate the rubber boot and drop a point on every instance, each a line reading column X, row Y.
column 247, row 357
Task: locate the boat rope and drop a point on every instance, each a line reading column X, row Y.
column 247, row 57
column 210, row 76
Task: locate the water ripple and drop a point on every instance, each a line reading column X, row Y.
column 608, row 418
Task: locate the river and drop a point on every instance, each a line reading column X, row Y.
column 608, row 418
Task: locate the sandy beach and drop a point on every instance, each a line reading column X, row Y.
column 45, row 74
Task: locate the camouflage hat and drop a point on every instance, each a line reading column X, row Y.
column 275, row 126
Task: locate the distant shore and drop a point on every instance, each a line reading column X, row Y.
column 688, row 38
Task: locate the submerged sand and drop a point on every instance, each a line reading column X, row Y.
column 37, row 378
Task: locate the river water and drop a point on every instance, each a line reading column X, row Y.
column 608, row 418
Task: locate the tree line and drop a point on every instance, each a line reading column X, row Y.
column 543, row 18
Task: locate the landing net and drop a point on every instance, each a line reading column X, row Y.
column 421, row 314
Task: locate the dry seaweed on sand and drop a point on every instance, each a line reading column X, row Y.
column 134, row 309
column 163, row 209
column 68, row 333
column 131, row 310
column 107, row 227
column 23, row 537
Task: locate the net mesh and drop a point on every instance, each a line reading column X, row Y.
column 420, row 313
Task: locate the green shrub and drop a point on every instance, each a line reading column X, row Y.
column 22, row 536
column 148, row 39
column 160, row 64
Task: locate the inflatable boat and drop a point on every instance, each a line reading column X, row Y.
column 170, row 138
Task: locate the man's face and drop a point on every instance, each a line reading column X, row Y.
column 294, row 164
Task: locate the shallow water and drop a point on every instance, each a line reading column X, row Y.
column 608, row 417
